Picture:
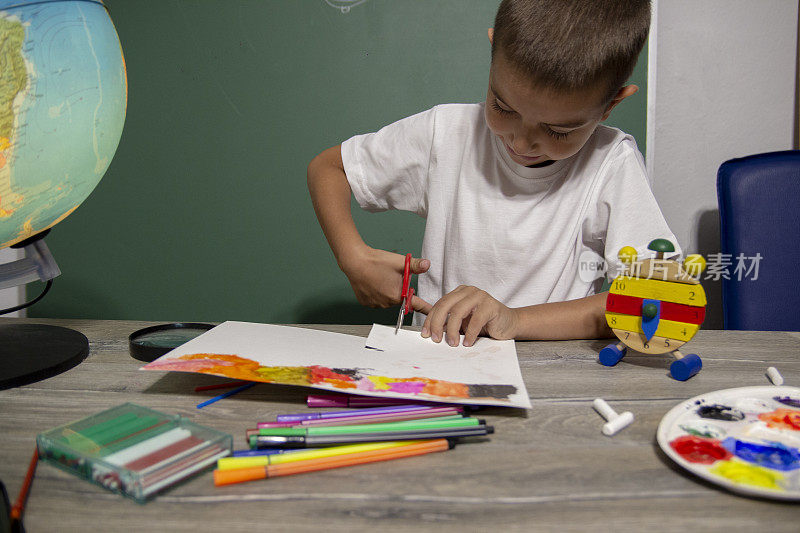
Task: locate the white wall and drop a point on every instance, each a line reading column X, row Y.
column 14, row 295
column 721, row 84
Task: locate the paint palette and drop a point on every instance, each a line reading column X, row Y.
column 745, row 439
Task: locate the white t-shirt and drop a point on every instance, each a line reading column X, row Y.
column 525, row 235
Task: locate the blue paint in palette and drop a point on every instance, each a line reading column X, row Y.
column 776, row 455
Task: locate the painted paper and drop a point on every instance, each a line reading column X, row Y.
column 396, row 366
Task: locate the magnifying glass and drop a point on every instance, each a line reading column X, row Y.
column 148, row 344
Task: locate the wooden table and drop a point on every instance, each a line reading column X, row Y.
column 544, row 470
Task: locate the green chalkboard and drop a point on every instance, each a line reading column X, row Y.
column 204, row 213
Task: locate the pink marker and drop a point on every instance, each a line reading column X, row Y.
column 388, row 417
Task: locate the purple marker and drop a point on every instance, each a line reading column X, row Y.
column 298, row 417
column 384, row 417
column 337, row 400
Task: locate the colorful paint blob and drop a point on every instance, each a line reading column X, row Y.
column 720, row 412
column 782, row 418
column 699, row 450
column 788, row 400
column 746, row 474
column 700, row 428
column 776, row 456
column 745, row 439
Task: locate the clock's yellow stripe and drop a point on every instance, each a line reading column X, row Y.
column 654, row 289
column 666, row 328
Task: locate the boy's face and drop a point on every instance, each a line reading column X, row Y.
column 538, row 125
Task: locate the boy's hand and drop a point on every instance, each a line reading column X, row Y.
column 471, row 311
column 377, row 276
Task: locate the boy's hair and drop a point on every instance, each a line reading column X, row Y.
column 573, row 44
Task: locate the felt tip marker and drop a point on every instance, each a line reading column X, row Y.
column 311, row 441
column 408, row 425
column 226, row 477
column 384, row 417
column 231, row 463
column 366, row 426
column 338, row 400
column 358, row 412
column 256, row 453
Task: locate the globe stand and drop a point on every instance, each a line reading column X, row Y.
column 33, row 352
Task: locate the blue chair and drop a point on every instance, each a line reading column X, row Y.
column 759, row 210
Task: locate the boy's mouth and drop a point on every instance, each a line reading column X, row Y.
column 525, row 160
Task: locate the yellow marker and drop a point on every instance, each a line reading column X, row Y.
column 233, row 463
column 668, row 329
column 654, row 289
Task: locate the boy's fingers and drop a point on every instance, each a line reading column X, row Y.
column 419, row 265
column 420, row 305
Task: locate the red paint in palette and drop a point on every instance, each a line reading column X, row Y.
column 782, row 419
column 698, row 450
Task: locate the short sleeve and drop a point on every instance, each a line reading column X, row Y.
column 388, row 169
column 627, row 212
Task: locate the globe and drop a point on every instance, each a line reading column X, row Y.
column 63, row 95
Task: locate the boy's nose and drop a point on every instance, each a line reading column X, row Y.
column 524, row 145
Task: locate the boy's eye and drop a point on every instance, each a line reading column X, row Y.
column 559, row 135
column 499, row 109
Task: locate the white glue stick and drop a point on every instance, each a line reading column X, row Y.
column 774, row 376
column 614, row 422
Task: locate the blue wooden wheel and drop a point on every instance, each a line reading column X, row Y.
column 611, row 355
column 683, row 369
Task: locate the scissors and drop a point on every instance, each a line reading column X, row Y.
column 406, row 294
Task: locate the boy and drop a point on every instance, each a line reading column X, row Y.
column 516, row 191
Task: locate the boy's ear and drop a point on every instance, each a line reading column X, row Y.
column 491, row 35
column 621, row 95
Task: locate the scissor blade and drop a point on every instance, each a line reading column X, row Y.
column 400, row 316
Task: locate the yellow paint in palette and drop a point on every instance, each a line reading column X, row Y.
column 746, row 474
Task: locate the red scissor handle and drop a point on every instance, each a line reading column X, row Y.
column 407, row 292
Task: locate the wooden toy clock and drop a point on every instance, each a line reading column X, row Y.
column 655, row 306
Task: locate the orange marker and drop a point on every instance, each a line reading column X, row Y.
column 227, row 477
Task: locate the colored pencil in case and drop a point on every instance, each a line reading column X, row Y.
column 406, row 425
column 357, row 412
column 226, row 477
column 131, row 453
column 311, row 441
column 340, row 400
column 376, row 425
column 232, row 463
column 225, row 395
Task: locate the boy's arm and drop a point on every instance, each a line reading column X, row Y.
column 583, row 318
column 375, row 275
column 473, row 311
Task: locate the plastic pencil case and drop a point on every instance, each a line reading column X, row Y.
column 133, row 450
